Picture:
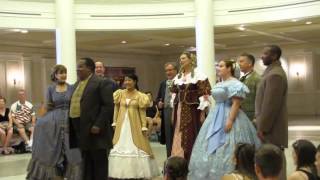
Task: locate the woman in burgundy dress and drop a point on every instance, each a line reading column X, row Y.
column 190, row 90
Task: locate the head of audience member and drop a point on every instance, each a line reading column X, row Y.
column 244, row 159
column 175, row 168
column 246, row 62
column 304, row 154
column 271, row 54
column 226, row 69
column 317, row 163
column 131, row 82
column 85, row 68
column 100, row 69
column 268, row 162
column 188, row 61
column 22, row 96
column 2, row 102
column 171, row 70
column 59, row 74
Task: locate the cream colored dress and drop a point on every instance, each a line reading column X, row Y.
column 131, row 156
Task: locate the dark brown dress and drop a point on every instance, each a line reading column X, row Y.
column 186, row 116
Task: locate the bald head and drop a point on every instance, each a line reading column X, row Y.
column 99, row 70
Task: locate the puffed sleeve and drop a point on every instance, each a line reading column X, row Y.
column 116, row 100
column 237, row 89
column 143, row 103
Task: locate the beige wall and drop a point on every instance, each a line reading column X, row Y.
column 303, row 96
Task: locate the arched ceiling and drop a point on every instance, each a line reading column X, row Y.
column 166, row 42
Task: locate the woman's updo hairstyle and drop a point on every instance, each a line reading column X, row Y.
column 59, row 68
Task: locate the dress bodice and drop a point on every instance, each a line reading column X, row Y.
column 224, row 91
column 59, row 100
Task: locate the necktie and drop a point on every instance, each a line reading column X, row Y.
column 243, row 78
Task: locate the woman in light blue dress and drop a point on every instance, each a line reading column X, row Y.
column 225, row 126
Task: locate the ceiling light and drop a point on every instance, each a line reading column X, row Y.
column 124, row 42
column 241, row 28
column 294, row 20
column 167, row 44
column 308, row 22
column 242, row 25
column 24, row 31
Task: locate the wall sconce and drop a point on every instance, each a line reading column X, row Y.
column 298, row 70
column 15, row 78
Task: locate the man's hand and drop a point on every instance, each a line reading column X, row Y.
column 160, row 104
column 95, row 130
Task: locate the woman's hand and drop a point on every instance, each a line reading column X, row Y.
column 228, row 126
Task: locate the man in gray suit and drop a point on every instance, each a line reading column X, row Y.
column 163, row 101
column 251, row 79
column 271, row 102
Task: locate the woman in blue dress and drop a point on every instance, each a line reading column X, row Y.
column 51, row 156
column 225, row 126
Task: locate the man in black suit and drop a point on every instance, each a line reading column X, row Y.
column 100, row 71
column 163, row 101
column 91, row 111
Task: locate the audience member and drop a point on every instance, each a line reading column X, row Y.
column 175, row 168
column 152, row 113
column 317, row 163
column 6, row 129
column 268, row 162
column 244, row 163
column 304, row 157
column 23, row 116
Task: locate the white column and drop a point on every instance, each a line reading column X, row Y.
column 65, row 37
column 204, row 38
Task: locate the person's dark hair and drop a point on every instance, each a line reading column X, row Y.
column 176, row 168
column 230, row 64
column 244, row 155
column 57, row 69
column 134, row 78
column 250, row 57
column 89, row 63
column 173, row 64
column 269, row 159
column 276, row 50
column 4, row 99
column 306, row 153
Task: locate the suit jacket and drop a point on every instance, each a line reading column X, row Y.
column 271, row 105
column 161, row 96
column 248, row 104
column 96, row 110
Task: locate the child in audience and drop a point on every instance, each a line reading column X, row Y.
column 175, row 168
column 268, row 162
column 317, row 163
column 244, row 163
column 304, row 153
